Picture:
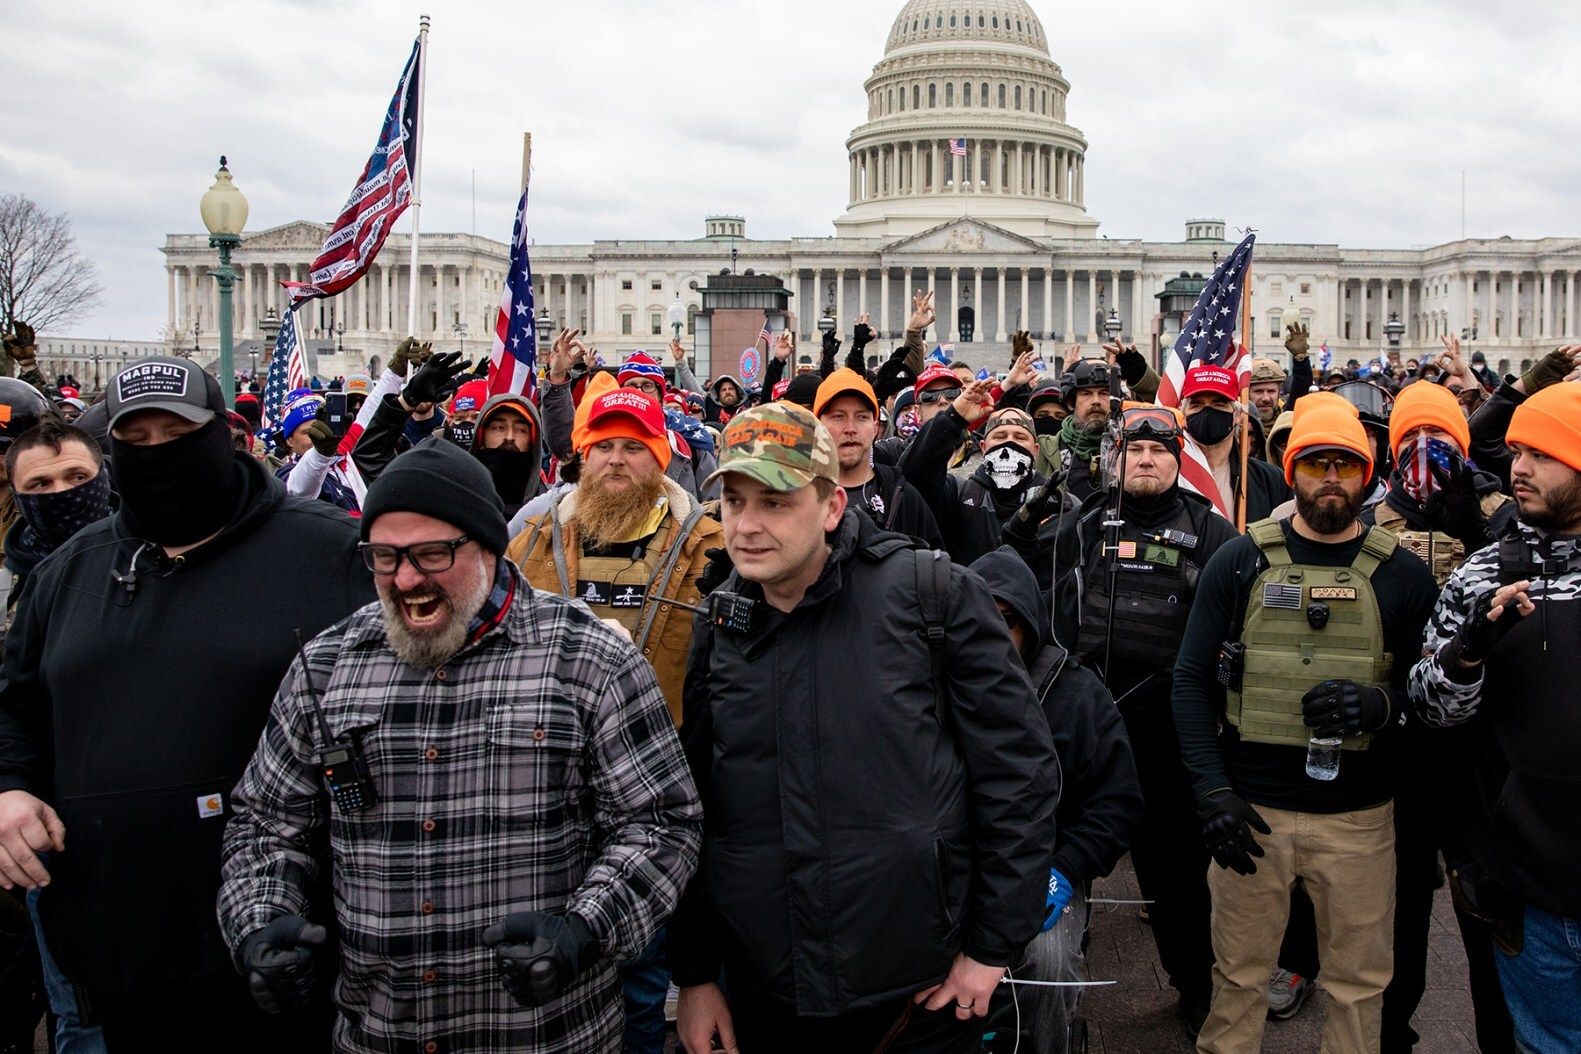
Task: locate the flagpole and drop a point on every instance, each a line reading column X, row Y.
column 417, row 166
column 1246, row 396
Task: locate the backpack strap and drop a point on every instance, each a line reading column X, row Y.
column 663, row 573
column 1515, row 560
column 1378, row 547
column 933, row 594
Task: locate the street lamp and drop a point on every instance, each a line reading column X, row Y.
column 196, row 327
column 224, row 212
column 460, row 330
column 340, row 329
column 545, row 327
column 677, row 315
column 827, row 324
column 1112, row 325
column 1394, row 329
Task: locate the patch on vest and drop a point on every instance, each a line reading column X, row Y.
column 1162, row 555
column 1333, row 593
column 628, row 597
column 589, row 592
column 1126, row 551
column 1279, row 595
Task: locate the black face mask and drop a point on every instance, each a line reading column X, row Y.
column 1210, row 426
column 179, row 492
column 512, row 470
column 461, row 433
column 1046, row 425
column 56, row 517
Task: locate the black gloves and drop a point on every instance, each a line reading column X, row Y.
column 719, row 568
column 1227, row 824
column 540, row 954
column 278, row 963
column 1456, row 507
column 861, row 337
column 1550, row 369
column 1133, row 366
column 324, row 440
column 1039, row 500
column 831, row 345
column 1473, row 642
column 430, row 383
column 1344, row 708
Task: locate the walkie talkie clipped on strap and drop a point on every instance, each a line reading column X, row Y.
column 345, row 769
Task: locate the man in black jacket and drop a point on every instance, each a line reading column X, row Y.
column 1208, row 399
column 1168, row 536
column 120, row 741
column 871, row 860
column 1100, row 802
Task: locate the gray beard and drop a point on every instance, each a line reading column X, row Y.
column 434, row 649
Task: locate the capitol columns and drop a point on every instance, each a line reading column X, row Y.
column 1542, row 311
column 955, row 294
column 999, row 323
column 883, row 295
column 977, row 322
column 1025, row 320
column 1048, row 303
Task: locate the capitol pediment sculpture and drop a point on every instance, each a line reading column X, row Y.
column 965, row 236
column 294, row 235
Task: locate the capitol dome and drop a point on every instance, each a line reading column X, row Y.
column 966, row 116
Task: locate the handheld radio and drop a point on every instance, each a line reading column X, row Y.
column 345, row 769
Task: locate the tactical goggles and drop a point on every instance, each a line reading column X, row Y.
column 939, row 395
column 1150, row 422
column 1318, row 466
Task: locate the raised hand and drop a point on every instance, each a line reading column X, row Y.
column 1072, row 355
column 1296, row 334
column 560, row 356
column 922, row 312
column 975, row 401
column 1021, row 371
column 785, row 346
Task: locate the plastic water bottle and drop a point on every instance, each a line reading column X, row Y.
column 1323, row 757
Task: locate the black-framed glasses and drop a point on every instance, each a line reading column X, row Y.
column 939, row 395
column 643, row 385
column 428, row 557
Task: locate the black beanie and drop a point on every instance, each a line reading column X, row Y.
column 439, row 479
column 803, row 390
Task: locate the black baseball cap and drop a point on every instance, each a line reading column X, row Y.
column 164, row 382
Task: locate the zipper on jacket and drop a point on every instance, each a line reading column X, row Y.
column 938, row 868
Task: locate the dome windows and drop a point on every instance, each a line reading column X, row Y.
column 996, row 21
column 952, row 21
column 966, row 94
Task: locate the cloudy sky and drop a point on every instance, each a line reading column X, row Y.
column 1343, row 122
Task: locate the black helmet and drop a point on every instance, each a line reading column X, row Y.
column 1044, row 389
column 1088, row 373
column 1373, row 404
column 21, row 407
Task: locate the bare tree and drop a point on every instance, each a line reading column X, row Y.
column 44, row 280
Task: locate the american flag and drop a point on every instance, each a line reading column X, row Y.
column 765, row 336
column 1208, row 339
column 513, row 361
column 287, row 372
column 381, row 195
column 958, row 147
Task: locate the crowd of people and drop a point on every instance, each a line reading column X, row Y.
column 420, row 718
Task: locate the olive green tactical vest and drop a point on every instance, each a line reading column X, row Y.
column 1441, row 553
column 1285, row 656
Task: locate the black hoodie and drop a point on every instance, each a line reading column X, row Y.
column 132, row 705
column 1100, row 805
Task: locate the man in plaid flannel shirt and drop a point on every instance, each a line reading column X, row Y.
column 532, row 817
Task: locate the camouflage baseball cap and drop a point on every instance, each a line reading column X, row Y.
column 781, row 445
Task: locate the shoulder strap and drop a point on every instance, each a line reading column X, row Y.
column 933, row 594
column 663, row 573
column 1515, row 559
column 1378, row 547
column 1270, row 538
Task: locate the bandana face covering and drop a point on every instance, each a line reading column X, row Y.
column 57, row 516
column 1008, row 464
column 1417, row 462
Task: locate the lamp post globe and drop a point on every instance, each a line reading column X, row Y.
column 677, row 316
column 224, row 212
column 1394, row 329
column 545, row 328
column 1112, row 325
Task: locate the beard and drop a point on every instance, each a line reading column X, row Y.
column 1327, row 518
column 1560, row 509
column 1093, row 424
column 432, row 648
column 606, row 514
column 1147, row 486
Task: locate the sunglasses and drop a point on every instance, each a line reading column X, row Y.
column 939, row 395
column 1319, row 467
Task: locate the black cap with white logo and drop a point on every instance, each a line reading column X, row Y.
column 162, row 382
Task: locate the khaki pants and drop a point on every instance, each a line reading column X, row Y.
column 1346, row 861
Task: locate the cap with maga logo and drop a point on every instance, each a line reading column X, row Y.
column 781, row 445
column 162, row 382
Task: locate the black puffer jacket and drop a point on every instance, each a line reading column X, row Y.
column 852, row 845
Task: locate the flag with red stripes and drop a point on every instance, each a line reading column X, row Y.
column 513, row 360
column 382, row 193
column 1208, row 339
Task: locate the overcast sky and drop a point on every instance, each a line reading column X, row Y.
column 1343, row 122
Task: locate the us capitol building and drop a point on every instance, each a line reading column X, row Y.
column 1000, row 229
